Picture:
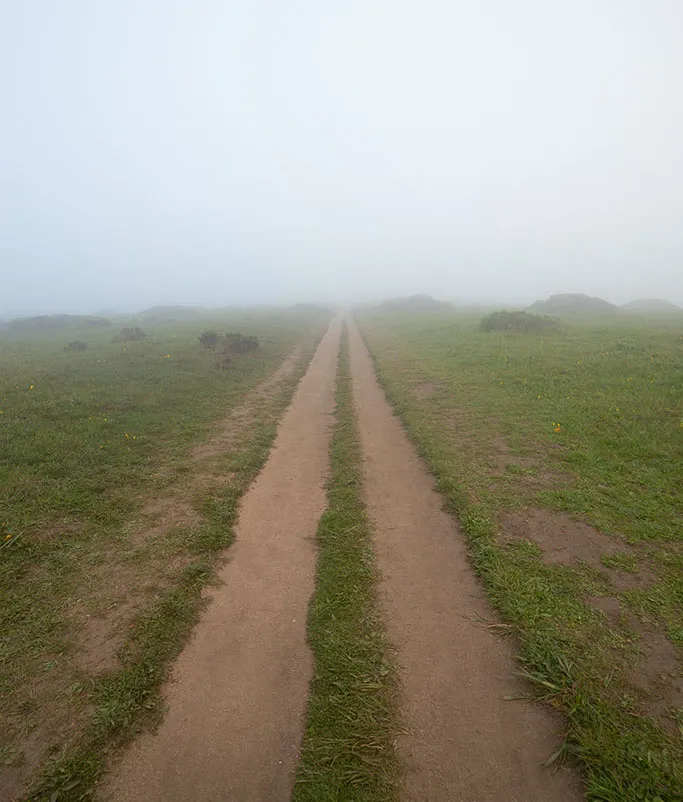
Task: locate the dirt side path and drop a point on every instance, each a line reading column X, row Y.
column 238, row 696
column 463, row 743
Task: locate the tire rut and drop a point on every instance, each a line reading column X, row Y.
column 462, row 741
column 237, row 698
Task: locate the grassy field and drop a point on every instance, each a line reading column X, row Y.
column 97, row 447
column 348, row 749
column 561, row 453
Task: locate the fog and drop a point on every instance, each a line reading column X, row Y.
column 212, row 152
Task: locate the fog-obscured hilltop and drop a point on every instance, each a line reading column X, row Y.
column 573, row 304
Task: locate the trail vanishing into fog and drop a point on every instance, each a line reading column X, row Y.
column 237, row 700
column 462, row 741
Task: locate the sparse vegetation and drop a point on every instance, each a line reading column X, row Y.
column 348, row 749
column 518, row 321
column 76, row 345
column 588, row 424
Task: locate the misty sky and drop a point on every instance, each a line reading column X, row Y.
column 216, row 152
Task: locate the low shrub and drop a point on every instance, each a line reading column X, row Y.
column 127, row 335
column 209, row 338
column 518, row 321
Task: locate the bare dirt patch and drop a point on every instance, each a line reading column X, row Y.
column 610, row 606
column 237, row 699
column 228, row 430
column 562, row 539
column 462, row 741
column 567, row 541
column 658, row 676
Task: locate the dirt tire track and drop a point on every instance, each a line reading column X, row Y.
column 237, row 700
column 463, row 742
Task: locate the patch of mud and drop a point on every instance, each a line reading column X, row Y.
column 610, row 606
column 658, row 676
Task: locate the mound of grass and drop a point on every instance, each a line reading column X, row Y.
column 653, row 306
column 129, row 334
column 518, row 321
column 573, row 304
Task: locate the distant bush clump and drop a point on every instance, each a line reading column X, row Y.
column 239, row 344
column 228, row 346
column 209, row 338
column 518, row 321
column 76, row 345
column 127, row 335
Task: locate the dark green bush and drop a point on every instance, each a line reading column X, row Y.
column 127, row 335
column 236, row 344
column 209, row 338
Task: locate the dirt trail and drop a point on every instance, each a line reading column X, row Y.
column 237, row 700
column 464, row 743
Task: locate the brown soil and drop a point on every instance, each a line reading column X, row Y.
column 658, row 676
column 237, row 699
column 563, row 539
column 463, row 742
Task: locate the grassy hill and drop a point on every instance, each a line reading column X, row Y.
column 48, row 324
column 573, row 304
column 652, row 306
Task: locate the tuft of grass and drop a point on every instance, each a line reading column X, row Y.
column 348, row 749
column 595, row 411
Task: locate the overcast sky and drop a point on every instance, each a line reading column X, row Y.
column 213, row 152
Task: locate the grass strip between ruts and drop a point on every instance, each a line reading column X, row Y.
column 348, row 750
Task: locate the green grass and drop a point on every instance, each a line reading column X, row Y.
column 71, row 483
column 348, row 750
column 588, row 421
